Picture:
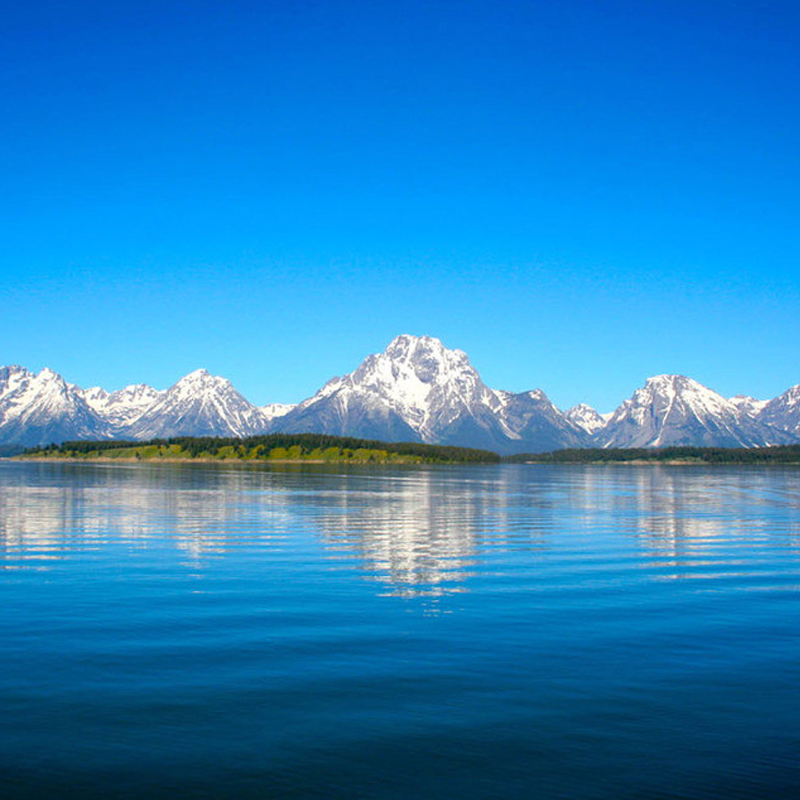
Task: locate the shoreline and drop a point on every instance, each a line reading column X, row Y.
column 636, row 462
column 169, row 460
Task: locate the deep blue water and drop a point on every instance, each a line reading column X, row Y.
column 462, row 632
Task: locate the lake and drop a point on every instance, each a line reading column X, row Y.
column 512, row 631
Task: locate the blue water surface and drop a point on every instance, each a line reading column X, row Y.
column 224, row 631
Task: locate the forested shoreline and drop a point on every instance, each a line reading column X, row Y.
column 341, row 449
column 272, row 447
column 784, row 454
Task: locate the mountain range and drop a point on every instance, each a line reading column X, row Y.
column 415, row 390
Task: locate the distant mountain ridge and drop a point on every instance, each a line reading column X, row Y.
column 416, row 390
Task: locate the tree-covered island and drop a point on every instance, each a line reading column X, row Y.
column 299, row 447
column 322, row 448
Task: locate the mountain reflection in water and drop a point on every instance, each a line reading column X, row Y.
column 414, row 531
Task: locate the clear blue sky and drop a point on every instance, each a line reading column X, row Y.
column 578, row 194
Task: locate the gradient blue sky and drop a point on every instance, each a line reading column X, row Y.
column 578, row 194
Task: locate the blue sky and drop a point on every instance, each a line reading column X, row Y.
column 578, row 195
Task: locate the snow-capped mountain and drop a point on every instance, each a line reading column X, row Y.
column 415, row 390
column 398, row 394
column 122, row 408
column 675, row 410
column 784, row 411
column 42, row 408
column 586, row 418
column 419, row 390
column 199, row 404
column 274, row 410
column 535, row 425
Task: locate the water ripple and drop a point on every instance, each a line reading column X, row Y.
column 515, row 631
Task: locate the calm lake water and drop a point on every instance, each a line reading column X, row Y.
column 212, row 631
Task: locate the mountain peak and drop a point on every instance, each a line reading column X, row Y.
column 48, row 374
column 424, row 352
column 666, row 381
column 198, row 374
column 784, row 411
column 95, row 394
column 676, row 410
column 750, row 405
column 125, row 406
column 418, row 389
column 415, row 371
column 408, row 341
column 586, row 418
column 199, row 404
column 201, row 381
column 39, row 408
column 411, row 338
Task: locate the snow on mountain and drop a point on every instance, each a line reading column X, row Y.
column 122, row 408
column 96, row 397
column 784, row 411
column 199, row 404
column 536, row 425
column 419, row 390
column 748, row 404
column 586, row 418
column 274, row 410
column 416, row 390
column 42, row 408
column 386, row 397
column 676, row 410
column 39, row 409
